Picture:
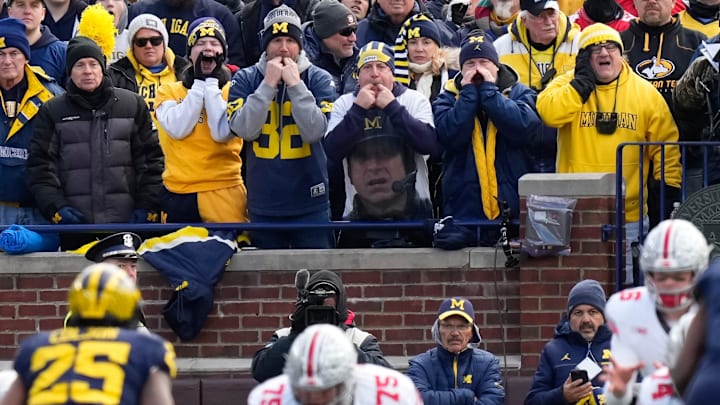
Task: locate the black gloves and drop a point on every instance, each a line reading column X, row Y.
column 707, row 77
column 218, row 71
column 699, row 80
column 197, row 68
column 584, row 81
column 221, row 73
column 457, row 13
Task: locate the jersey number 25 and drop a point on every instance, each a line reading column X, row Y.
column 99, row 363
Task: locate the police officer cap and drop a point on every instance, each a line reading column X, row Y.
column 121, row 245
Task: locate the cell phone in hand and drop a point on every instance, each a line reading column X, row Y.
column 578, row 374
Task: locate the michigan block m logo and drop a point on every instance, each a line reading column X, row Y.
column 280, row 27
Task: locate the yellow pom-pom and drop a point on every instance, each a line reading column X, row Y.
column 98, row 24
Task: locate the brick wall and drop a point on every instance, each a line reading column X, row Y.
column 546, row 282
column 394, row 292
column 397, row 306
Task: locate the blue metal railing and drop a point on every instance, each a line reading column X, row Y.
column 707, row 149
column 250, row 226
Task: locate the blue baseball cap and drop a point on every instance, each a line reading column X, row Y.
column 457, row 306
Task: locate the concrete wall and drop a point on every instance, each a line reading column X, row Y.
column 395, row 293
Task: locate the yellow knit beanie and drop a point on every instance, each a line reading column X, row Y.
column 597, row 34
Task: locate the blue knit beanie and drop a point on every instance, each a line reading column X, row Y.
column 205, row 27
column 12, row 35
column 419, row 26
column 588, row 292
column 478, row 45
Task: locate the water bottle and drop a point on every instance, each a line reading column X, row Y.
column 676, row 208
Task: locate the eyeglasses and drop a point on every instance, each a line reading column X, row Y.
column 610, row 47
column 154, row 41
column 446, row 327
column 348, row 31
column 12, row 55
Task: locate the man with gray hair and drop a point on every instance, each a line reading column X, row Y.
column 456, row 372
column 24, row 89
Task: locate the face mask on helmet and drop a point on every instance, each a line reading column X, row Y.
column 671, row 299
column 338, row 395
column 322, row 358
column 673, row 246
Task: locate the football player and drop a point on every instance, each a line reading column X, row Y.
column 695, row 374
column 119, row 249
column 674, row 254
column 322, row 369
column 101, row 360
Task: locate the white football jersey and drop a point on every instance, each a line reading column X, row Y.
column 374, row 385
column 657, row 389
column 638, row 334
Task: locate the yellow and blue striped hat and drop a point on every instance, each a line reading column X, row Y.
column 376, row 51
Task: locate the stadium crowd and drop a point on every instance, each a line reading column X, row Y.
column 309, row 111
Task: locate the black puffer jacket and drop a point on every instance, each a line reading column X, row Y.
column 106, row 162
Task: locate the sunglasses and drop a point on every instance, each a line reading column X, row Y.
column 348, row 31
column 154, row 41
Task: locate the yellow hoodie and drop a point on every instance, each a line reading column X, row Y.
column 643, row 116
